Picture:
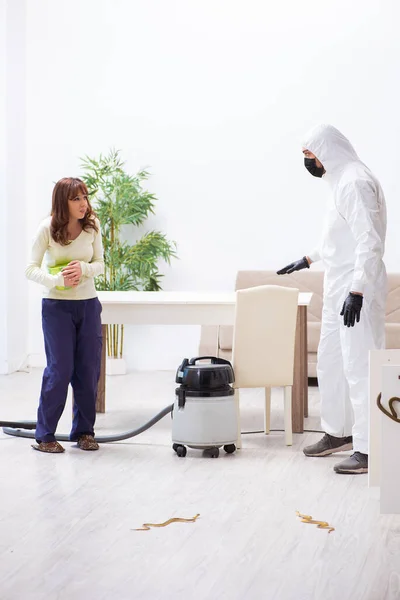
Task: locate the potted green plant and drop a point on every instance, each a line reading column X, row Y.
column 119, row 199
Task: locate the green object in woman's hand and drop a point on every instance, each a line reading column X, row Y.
column 55, row 271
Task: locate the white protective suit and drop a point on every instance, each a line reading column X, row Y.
column 351, row 249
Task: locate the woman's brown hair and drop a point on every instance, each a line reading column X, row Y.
column 64, row 190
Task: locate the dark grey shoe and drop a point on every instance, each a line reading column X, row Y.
column 356, row 463
column 329, row 445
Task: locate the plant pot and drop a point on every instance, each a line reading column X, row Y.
column 115, row 366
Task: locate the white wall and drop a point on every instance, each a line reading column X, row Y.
column 13, row 293
column 214, row 96
column 3, row 160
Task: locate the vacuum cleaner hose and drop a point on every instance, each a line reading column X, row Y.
column 18, row 429
column 23, row 424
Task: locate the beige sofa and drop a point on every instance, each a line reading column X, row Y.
column 217, row 341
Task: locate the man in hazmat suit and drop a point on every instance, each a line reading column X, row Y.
column 353, row 317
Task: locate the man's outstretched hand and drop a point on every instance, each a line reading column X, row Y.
column 295, row 266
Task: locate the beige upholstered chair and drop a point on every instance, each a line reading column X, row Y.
column 263, row 346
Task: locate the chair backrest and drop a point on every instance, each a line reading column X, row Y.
column 307, row 280
column 264, row 336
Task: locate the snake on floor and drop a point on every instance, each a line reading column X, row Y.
column 147, row 526
column 311, row 521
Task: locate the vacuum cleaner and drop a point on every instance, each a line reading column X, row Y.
column 203, row 414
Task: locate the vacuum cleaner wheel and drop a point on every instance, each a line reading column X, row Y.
column 211, row 452
column 230, row 448
column 179, row 449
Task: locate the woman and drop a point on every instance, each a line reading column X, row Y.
column 70, row 242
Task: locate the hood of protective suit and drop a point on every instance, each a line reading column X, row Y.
column 331, row 147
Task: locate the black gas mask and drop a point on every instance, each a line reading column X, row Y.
column 311, row 166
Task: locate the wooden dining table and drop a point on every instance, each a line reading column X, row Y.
column 198, row 308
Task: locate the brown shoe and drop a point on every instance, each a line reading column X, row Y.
column 50, row 447
column 357, row 463
column 329, row 445
column 87, row 442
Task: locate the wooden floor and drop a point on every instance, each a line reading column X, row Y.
column 66, row 521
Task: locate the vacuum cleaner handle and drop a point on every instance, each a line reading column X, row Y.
column 214, row 360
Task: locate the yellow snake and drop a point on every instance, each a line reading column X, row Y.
column 311, row 521
column 146, row 526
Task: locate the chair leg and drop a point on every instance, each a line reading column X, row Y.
column 239, row 434
column 267, row 411
column 288, row 415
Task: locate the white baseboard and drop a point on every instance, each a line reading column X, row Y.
column 11, row 366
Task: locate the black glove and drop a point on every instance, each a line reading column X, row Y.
column 294, row 266
column 351, row 309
